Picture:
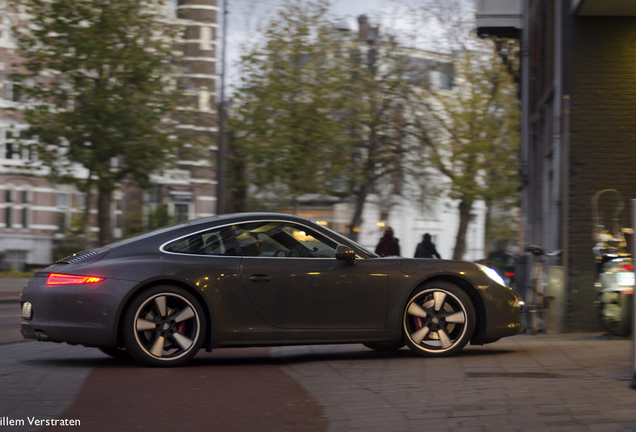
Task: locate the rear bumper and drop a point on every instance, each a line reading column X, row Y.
column 78, row 314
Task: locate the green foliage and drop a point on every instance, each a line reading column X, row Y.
column 133, row 223
column 97, row 73
column 472, row 133
column 16, row 274
column 158, row 217
column 316, row 109
column 292, row 97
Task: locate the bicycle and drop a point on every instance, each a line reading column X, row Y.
column 536, row 301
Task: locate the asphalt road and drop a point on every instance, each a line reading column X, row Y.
column 10, row 322
column 525, row 383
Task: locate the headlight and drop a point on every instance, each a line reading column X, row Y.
column 492, row 274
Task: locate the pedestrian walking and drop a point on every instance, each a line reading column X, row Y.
column 426, row 248
column 388, row 245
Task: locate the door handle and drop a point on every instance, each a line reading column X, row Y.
column 260, row 278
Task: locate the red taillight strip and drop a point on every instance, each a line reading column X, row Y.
column 64, row 279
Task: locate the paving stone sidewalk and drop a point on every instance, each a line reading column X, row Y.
column 572, row 382
column 525, row 383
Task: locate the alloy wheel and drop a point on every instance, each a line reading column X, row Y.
column 164, row 328
column 439, row 320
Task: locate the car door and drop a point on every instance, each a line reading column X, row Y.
column 293, row 279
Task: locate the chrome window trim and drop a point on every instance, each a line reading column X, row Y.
column 161, row 248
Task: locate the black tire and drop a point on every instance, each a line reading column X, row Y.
column 115, row 352
column 426, row 329
column 164, row 326
column 385, row 346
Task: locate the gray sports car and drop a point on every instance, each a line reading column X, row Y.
column 261, row 279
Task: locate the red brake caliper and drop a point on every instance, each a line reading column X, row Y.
column 181, row 327
column 419, row 322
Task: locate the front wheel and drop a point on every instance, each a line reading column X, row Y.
column 164, row 326
column 439, row 320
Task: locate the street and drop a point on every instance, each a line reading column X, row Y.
column 562, row 383
column 10, row 322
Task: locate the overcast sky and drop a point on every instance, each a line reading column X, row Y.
column 247, row 16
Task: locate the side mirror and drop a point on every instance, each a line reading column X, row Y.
column 346, row 254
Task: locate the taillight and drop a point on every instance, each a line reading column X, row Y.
column 509, row 274
column 626, row 267
column 64, row 279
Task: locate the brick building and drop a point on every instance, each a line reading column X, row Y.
column 579, row 127
column 35, row 214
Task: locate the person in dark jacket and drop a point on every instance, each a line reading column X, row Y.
column 426, row 249
column 388, row 245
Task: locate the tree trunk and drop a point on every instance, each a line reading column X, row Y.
column 356, row 220
column 237, row 176
column 86, row 220
column 104, row 198
column 488, row 229
column 465, row 207
column 86, row 215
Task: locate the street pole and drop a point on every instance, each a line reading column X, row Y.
column 634, row 305
column 220, row 154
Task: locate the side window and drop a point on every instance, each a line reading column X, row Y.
column 215, row 242
column 282, row 239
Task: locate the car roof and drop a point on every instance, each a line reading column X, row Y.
column 247, row 216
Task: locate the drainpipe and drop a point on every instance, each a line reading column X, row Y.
column 525, row 134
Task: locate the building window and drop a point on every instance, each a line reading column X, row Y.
column 204, row 100
column 25, row 217
column 9, row 150
column 7, row 216
column 80, row 199
column 62, row 200
column 206, row 38
column 7, row 196
column 13, row 90
column 61, row 223
column 25, row 197
column 15, row 146
column 181, row 212
column 15, row 259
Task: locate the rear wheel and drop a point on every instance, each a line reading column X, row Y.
column 164, row 326
column 439, row 320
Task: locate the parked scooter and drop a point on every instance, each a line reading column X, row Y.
column 615, row 280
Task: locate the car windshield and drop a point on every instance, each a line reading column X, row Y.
column 348, row 240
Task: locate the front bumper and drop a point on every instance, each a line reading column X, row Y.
column 78, row 314
column 503, row 311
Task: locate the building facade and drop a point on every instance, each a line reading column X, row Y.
column 578, row 131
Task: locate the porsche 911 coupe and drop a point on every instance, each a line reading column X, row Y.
column 261, row 279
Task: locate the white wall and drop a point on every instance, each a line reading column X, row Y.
column 410, row 222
